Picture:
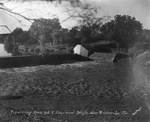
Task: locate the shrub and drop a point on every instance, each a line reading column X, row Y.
column 31, row 51
column 47, row 51
column 16, row 52
column 69, row 50
column 36, row 50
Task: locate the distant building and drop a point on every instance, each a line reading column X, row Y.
column 80, row 50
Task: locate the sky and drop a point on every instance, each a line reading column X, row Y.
column 140, row 9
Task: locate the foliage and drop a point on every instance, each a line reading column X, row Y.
column 15, row 39
column 20, row 36
column 17, row 31
column 42, row 29
column 124, row 30
column 31, row 41
column 69, row 50
column 73, row 35
column 60, row 36
column 89, row 33
column 23, row 38
column 65, row 36
column 85, row 34
column 15, row 51
column 146, row 34
column 8, row 44
column 36, row 50
column 2, row 37
column 45, row 32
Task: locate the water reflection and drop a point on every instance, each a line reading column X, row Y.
column 3, row 52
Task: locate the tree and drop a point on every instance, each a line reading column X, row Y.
column 124, row 30
column 60, row 36
column 73, row 35
column 8, row 44
column 87, row 33
column 2, row 37
column 23, row 38
column 20, row 36
column 57, row 36
column 146, row 35
column 65, row 36
column 17, row 31
column 16, row 38
column 42, row 30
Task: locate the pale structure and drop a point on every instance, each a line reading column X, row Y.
column 80, row 50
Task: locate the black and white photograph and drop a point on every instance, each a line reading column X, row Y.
column 74, row 60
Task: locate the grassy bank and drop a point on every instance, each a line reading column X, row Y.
column 77, row 89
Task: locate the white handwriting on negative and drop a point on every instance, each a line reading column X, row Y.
column 136, row 111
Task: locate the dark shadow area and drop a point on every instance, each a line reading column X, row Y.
column 120, row 56
column 20, row 61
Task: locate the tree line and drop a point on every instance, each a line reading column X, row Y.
column 125, row 31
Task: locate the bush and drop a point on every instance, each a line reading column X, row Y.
column 36, row 50
column 69, row 50
column 101, row 48
column 16, row 52
column 47, row 51
column 59, row 52
column 31, row 51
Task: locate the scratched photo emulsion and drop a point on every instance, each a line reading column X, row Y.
column 74, row 61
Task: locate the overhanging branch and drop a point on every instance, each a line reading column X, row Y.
column 83, row 12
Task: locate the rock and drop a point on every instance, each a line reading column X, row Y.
column 120, row 56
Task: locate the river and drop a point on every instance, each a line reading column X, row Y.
column 3, row 52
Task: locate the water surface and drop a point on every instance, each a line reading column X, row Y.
column 3, row 52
